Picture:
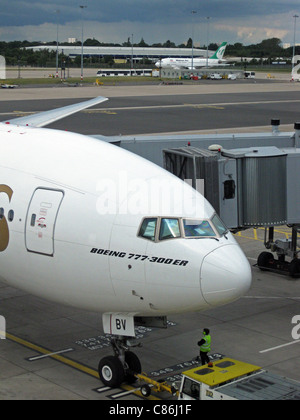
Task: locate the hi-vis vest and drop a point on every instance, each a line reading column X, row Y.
column 206, row 347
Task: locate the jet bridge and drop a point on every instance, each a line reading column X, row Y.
column 249, row 187
column 243, row 185
column 251, row 179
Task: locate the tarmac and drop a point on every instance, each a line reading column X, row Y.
column 128, row 90
column 51, row 352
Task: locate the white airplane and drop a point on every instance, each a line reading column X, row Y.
column 189, row 63
column 87, row 224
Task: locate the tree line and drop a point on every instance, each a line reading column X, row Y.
column 15, row 52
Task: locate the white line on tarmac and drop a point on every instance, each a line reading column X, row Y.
column 124, row 394
column 272, row 297
column 199, row 106
column 32, row 359
column 279, row 347
column 204, row 105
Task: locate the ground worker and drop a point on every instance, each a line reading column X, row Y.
column 204, row 345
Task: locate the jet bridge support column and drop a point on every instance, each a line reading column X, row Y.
column 283, row 248
column 297, row 134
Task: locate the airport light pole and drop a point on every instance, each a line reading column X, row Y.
column 82, row 7
column 207, row 40
column 56, row 75
column 131, row 55
column 193, row 13
column 294, row 45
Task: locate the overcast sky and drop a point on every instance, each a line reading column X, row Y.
column 245, row 21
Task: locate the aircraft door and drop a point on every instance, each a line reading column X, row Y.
column 41, row 219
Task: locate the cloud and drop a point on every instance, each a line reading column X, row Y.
column 116, row 32
column 254, row 29
column 246, row 21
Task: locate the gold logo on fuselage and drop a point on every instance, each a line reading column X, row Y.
column 4, row 230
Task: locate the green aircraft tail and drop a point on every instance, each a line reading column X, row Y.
column 218, row 55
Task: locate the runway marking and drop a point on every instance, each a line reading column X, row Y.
column 272, row 297
column 127, row 390
column 205, row 106
column 217, row 105
column 131, row 390
column 123, row 394
column 58, row 357
column 72, row 363
column 34, row 358
column 17, row 114
column 256, row 232
column 100, row 111
column 111, row 111
column 279, row 347
column 103, row 389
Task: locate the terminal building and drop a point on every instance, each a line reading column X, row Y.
column 124, row 53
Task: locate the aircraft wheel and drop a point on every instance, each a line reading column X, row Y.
column 265, row 260
column 111, row 371
column 145, row 390
column 134, row 366
column 295, row 267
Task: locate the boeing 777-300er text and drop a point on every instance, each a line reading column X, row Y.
column 194, row 63
column 88, row 224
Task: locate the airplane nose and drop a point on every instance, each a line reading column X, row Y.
column 225, row 275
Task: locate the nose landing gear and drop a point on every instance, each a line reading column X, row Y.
column 122, row 367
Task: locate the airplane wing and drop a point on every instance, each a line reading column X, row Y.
column 44, row 118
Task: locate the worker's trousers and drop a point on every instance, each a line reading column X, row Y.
column 204, row 357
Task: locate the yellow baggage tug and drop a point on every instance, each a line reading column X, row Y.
column 229, row 379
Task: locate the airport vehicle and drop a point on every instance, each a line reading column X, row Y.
column 223, row 378
column 215, row 76
column 193, row 63
column 229, row 379
column 7, row 86
column 151, row 385
column 125, row 72
column 249, row 74
column 90, row 225
column 232, row 76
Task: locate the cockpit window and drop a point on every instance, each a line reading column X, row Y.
column 169, row 228
column 148, row 229
column 197, row 228
column 219, row 225
column 162, row 228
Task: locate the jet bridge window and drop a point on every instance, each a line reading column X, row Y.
column 169, row 228
column 197, row 228
column 148, row 229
